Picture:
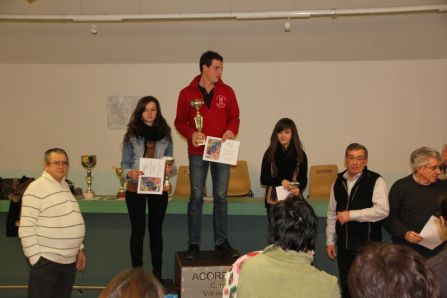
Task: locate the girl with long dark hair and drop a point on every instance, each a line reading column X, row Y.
column 284, row 162
column 148, row 135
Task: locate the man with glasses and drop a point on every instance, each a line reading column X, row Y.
column 414, row 199
column 52, row 230
column 357, row 205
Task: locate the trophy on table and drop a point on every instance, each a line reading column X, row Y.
column 293, row 185
column 169, row 161
column 88, row 162
column 121, row 192
column 198, row 119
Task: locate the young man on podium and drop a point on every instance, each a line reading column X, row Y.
column 207, row 107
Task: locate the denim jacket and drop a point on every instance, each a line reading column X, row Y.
column 133, row 150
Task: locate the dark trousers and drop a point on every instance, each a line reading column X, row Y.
column 136, row 205
column 48, row 279
column 344, row 261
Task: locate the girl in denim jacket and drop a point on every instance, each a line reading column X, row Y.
column 148, row 135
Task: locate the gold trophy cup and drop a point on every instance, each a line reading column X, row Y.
column 121, row 195
column 169, row 161
column 198, row 119
column 88, row 162
column 293, row 184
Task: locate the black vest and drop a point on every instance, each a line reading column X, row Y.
column 353, row 234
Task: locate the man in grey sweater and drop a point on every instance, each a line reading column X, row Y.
column 52, row 230
column 414, row 199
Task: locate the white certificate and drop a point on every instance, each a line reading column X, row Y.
column 151, row 182
column 432, row 233
column 282, row 193
column 224, row 152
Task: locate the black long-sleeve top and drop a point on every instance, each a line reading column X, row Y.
column 286, row 164
column 411, row 205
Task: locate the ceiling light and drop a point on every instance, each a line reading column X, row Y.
column 287, row 26
column 94, row 28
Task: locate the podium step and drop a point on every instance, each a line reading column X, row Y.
column 202, row 277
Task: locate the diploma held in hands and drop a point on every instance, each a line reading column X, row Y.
column 432, row 233
column 151, row 182
column 222, row 152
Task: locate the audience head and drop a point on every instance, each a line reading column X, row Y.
column 391, row 270
column 293, row 224
column 356, row 158
column 135, row 282
column 425, row 163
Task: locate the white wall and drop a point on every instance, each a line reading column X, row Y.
column 392, row 107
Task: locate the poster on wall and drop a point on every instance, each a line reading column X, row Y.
column 119, row 109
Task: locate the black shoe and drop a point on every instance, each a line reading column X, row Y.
column 193, row 252
column 226, row 250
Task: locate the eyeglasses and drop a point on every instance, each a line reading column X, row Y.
column 433, row 168
column 357, row 158
column 59, row 163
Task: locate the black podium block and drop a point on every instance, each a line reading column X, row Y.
column 203, row 277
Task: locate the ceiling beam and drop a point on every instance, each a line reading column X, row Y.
column 300, row 14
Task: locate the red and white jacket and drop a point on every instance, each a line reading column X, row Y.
column 222, row 115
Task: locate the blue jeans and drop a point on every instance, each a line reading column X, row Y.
column 198, row 170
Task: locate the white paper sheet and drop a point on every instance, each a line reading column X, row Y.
column 432, row 233
column 223, row 152
column 151, row 182
column 282, row 193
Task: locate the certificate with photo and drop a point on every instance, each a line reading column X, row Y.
column 223, row 152
column 151, row 182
